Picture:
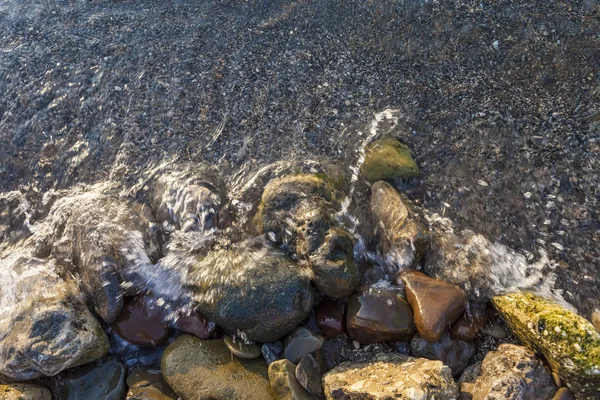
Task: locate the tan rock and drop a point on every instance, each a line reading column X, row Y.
column 24, row 391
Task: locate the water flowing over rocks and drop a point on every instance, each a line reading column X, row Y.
column 387, row 158
column 509, row 373
column 142, row 324
column 568, row 342
column 389, row 376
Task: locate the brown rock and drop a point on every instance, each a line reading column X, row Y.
column 284, row 383
column 148, row 384
column 196, row 324
column 24, row 391
column 436, row 304
column 453, row 352
column 310, row 371
column 563, row 394
column 379, row 313
column 470, row 323
column 141, row 324
column 330, row 318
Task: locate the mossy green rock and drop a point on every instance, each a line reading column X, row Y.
column 387, row 158
column 205, row 369
column 568, row 342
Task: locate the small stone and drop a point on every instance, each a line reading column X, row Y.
column 436, row 304
column 470, row 323
column 310, row 371
column 196, row 324
column 141, row 323
column 148, row 384
column 494, row 330
column 455, row 353
column 387, row 158
column 102, row 380
column 379, row 314
column 271, row 351
column 596, row 319
column 390, row 376
column 284, row 382
column 24, row 391
column 330, row 318
column 300, row 343
column 563, row 394
column 242, row 349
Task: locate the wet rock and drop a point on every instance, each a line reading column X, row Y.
column 310, row 371
column 284, row 383
column 102, row 380
column 568, row 342
column 44, row 325
column 296, row 210
column 330, row 318
column 387, row 158
column 24, row 391
column 271, row 351
column 142, row 323
column 495, row 330
column 454, row 353
column 241, row 349
column 509, row 373
column 563, row 394
column 436, row 304
column 398, row 229
column 300, row 343
column 252, row 288
column 196, row 324
column 390, row 376
column 379, row 313
column 148, row 384
column 205, row 369
column 470, row 322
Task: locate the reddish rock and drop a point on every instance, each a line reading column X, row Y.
column 196, row 324
column 330, row 318
column 435, row 304
column 141, row 324
column 470, row 323
column 379, row 314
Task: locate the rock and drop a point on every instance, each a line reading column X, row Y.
column 241, row 349
column 379, row 313
column 148, row 384
column 252, row 288
column 297, row 210
column 494, row 330
column 387, row 158
column 300, row 343
column 568, row 342
column 196, row 324
column 271, row 351
column 284, row 383
column 330, row 318
column 205, row 369
column 101, row 380
column 509, row 373
column 436, row 304
column 24, row 391
column 456, row 354
column 44, row 325
column 310, row 371
column 142, row 323
column 563, row 394
column 470, row 322
column 390, row 376
column 596, row 319
column 398, row 229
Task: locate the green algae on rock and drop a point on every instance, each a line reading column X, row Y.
column 568, row 341
column 387, row 158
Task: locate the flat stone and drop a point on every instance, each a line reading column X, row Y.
column 24, row 391
column 563, row 394
column 310, row 371
column 284, row 383
column 241, row 349
column 300, row 343
column 390, row 376
column 205, row 369
column 387, row 158
column 379, row 313
column 102, row 380
column 196, row 324
column 142, row 323
column 509, row 373
column 568, row 342
column 455, row 353
column 148, row 384
column 470, row 322
column 330, row 318
column 436, row 304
